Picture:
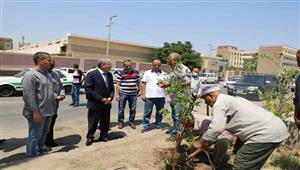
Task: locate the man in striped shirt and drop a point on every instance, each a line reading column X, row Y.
column 127, row 89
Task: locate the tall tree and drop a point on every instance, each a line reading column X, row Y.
column 190, row 57
column 250, row 64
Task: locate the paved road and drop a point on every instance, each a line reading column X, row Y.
column 14, row 124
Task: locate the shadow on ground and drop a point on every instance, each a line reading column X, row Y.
column 67, row 143
column 12, row 144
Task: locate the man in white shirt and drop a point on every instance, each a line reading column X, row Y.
column 260, row 130
column 196, row 83
column 152, row 95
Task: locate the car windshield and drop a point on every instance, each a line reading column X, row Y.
column 61, row 75
column 253, row 79
column 203, row 75
column 237, row 79
column 21, row 73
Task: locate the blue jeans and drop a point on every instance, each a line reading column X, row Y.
column 175, row 118
column 149, row 103
column 37, row 135
column 132, row 107
column 75, row 93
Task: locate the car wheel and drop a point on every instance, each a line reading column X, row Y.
column 68, row 89
column 7, row 90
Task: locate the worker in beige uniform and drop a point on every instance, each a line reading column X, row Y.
column 260, row 130
column 197, row 127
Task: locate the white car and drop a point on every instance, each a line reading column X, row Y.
column 209, row 78
column 10, row 85
column 231, row 80
column 115, row 72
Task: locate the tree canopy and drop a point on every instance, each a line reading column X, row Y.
column 189, row 57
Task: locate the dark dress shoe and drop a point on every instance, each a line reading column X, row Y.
column 103, row 139
column 132, row 126
column 89, row 142
column 52, row 144
column 120, row 126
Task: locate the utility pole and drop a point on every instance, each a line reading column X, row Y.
column 210, row 49
column 108, row 39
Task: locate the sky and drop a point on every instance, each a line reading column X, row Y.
column 245, row 24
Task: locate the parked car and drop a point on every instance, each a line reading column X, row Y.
column 209, row 78
column 220, row 79
column 10, row 85
column 249, row 85
column 231, row 80
column 115, row 72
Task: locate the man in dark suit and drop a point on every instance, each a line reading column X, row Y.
column 99, row 90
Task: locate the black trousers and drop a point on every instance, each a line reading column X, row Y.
column 49, row 138
column 94, row 118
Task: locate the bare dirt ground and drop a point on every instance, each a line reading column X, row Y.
column 127, row 149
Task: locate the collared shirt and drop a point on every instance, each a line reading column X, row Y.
column 185, row 75
column 38, row 93
column 246, row 120
column 195, row 85
column 129, row 82
column 103, row 74
column 184, row 72
column 152, row 89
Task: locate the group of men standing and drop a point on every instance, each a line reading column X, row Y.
column 259, row 130
column 100, row 93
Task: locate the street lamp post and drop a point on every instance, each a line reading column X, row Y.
column 109, row 29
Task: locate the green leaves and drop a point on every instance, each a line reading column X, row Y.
column 182, row 96
column 279, row 100
column 190, row 57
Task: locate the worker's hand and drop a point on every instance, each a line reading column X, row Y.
column 109, row 100
column 104, row 100
column 37, row 118
column 144, row 98
column 192, row 155
column 117, row 98
column 163, row 84
column 60, row 98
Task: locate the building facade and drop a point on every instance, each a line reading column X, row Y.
column 6, row 44
column 213, row 65
column 234, row 55
column 90, row 49
column 277, row 58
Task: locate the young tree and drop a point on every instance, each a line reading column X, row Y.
column 190, row 57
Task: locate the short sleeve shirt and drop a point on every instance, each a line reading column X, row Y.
column 151, row 79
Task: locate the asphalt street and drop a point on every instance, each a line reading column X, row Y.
column 13, row 123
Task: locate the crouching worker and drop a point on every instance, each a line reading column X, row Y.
column 260, row 130
column 197, row 127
